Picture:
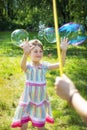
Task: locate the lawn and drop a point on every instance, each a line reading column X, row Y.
column 12, row 82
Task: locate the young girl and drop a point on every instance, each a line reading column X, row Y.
column 34, row 104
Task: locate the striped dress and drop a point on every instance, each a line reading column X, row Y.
column 34, row 104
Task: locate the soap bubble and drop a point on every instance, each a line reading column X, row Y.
column 18, row 36
column 41, row 30
column 49, row 34
column 75, row 33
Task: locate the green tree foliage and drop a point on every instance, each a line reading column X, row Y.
column 78, row 11
column 28, row 13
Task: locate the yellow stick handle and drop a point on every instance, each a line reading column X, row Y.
column 57, row 35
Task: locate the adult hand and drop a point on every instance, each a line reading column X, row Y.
column 64, row 87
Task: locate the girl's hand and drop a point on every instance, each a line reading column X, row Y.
column 64, row 43
column 26, row 47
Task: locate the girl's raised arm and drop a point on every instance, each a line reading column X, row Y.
column 27, row 49
column 64, row 46
column 23, row 62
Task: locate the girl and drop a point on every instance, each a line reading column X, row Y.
column 34, row 104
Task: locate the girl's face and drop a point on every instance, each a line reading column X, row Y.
column 36, row 54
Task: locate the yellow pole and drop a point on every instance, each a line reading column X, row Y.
column 57, row 36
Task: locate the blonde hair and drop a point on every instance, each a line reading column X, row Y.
column 36, row 42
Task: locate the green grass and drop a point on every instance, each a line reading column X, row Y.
column 12, row 83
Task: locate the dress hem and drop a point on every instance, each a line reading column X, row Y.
column 34, row 123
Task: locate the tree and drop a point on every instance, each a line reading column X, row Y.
column 28, row 13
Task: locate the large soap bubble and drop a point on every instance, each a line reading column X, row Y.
column 74, row 32
column 18, row 36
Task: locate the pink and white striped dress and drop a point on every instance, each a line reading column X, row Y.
column 34, row 104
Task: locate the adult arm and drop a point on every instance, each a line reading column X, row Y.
column 66, row 89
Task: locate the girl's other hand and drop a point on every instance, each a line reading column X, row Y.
column 64, row 43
